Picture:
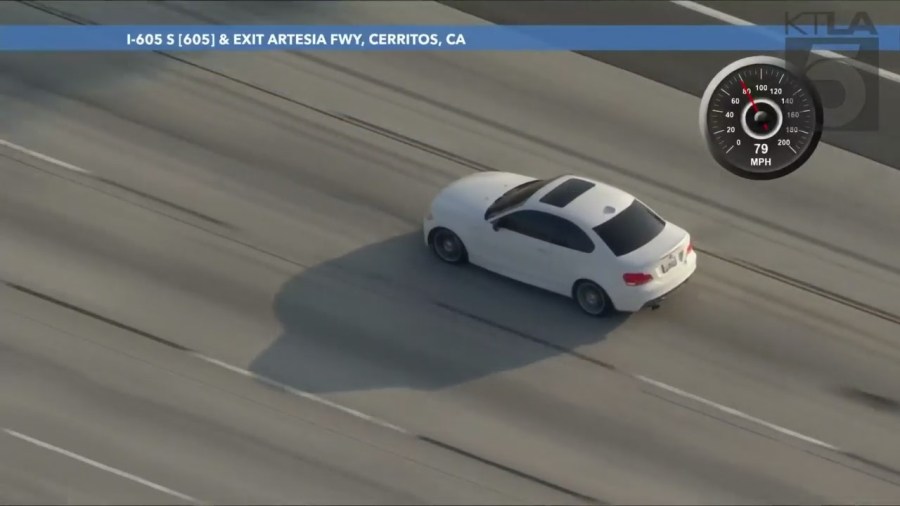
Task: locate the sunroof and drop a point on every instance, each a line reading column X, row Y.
column 566, row 192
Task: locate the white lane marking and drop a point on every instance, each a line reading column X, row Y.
column 382, row 423
column 351, row 411
column 736, row 413
column 41, row 156
column 98, row 465
column 734, row 20
column 300, row 393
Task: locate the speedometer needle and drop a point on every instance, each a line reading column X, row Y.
column 752, row 102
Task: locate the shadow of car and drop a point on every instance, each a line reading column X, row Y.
column 390, row 315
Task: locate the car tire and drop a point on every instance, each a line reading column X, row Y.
column 448, row 247
column 592, row 299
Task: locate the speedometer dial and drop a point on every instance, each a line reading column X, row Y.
column 761, row 119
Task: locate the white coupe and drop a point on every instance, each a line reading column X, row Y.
column 570, row 235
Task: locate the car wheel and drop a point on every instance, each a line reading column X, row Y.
column 592, row 299
column 448, row 246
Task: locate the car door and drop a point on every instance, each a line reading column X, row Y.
column 517, row 247
column 570, row 254
column 538, row 248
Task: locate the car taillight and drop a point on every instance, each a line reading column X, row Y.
column 636, row 278
column 690, row 247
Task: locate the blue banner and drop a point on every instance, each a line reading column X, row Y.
column 432, row 38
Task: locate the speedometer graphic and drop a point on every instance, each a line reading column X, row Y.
column 761, row 118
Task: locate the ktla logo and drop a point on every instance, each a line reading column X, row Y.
column 848, row 84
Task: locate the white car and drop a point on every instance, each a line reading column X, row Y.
column 570, row 235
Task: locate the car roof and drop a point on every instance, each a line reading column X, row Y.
column 584, row 201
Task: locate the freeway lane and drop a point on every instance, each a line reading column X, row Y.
column 186, row 431
column 310, row 270
column 31, row 474
column 497, row 395
column 691, row 71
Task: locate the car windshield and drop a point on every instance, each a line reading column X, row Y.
column 515, row 196
column 631, row 229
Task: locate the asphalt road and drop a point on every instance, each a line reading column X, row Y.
column 873, row 131
column 194, row 431
column 261, row 211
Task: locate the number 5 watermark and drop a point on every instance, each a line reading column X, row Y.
column 849, row 95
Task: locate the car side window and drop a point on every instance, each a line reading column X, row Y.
column 525, row 223
column 572, row 236
column 549, row 228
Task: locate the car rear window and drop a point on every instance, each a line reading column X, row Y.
column 631, row 229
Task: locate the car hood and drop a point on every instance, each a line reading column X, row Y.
column 476, row 192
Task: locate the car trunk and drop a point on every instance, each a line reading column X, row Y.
column 662, row 255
